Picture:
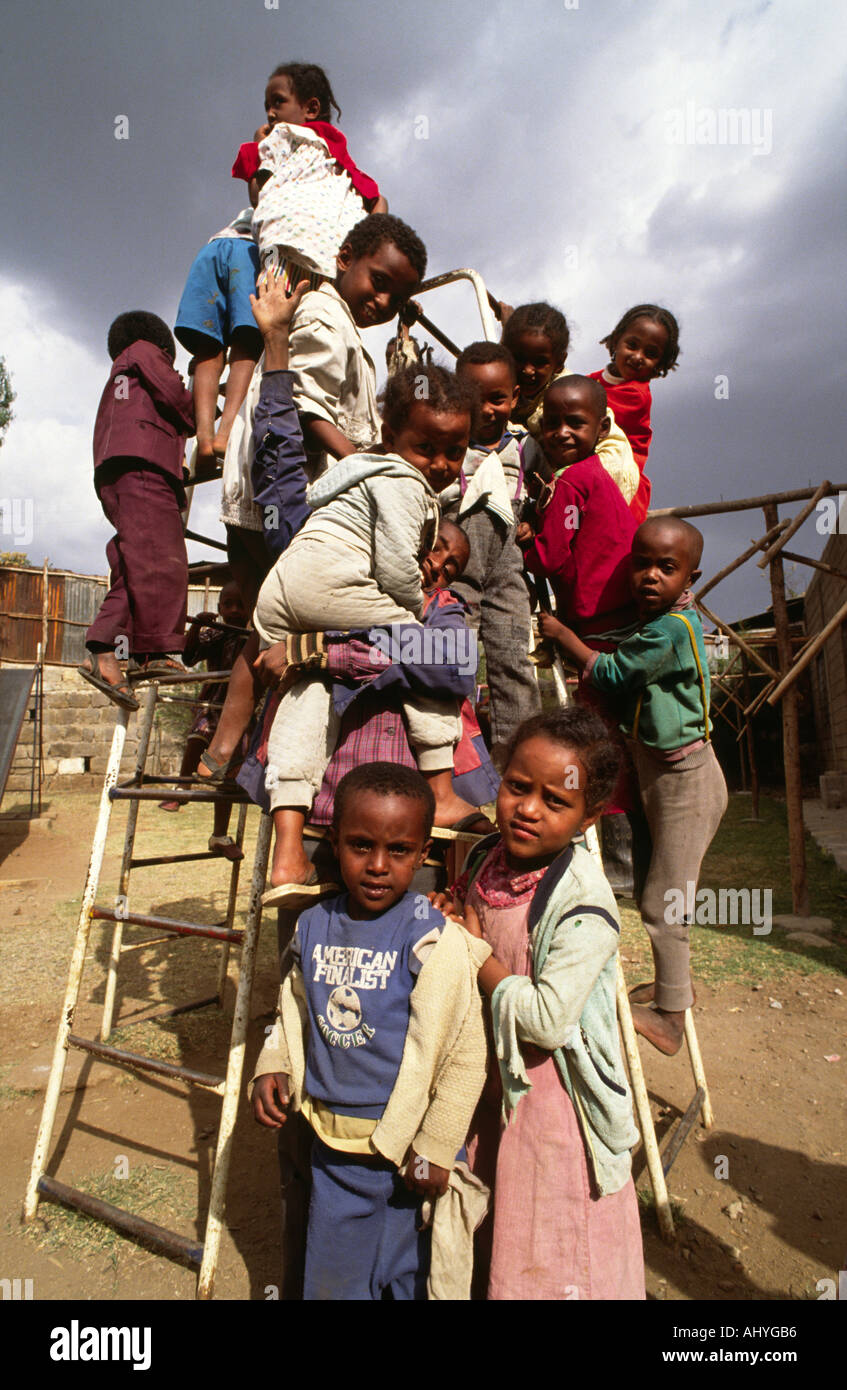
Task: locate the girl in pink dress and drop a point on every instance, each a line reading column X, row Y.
column 554, row 1127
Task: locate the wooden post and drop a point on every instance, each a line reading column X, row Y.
column 739, row 560
column 42, row 657
column 795, row 524
column 804, row 657
column 741, row 758
column 790, row 732
column 738, row 640
column 45, row 590
column 751, row 749
column 815, row 564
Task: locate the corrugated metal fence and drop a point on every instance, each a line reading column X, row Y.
column 72, row 603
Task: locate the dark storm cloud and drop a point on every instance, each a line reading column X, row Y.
column 545, row 164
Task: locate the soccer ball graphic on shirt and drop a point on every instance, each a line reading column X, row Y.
column 343, row 1010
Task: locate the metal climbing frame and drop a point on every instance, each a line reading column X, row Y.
column 658, row 1165
column 202, row 1254
column 451, row 277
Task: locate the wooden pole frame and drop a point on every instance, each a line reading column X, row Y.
column 790, row 733
column 795, row 524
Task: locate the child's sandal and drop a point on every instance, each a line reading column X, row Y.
column 219, row 772
column 297, row 896
column 156, row 668
column 120, row 694
column 225, row 847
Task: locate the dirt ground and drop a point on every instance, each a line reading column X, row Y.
column 761, row 1199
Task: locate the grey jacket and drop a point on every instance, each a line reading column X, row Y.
column 385, row 507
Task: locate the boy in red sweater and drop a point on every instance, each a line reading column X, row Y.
column 142, row 421
column 583, row 527
column 584, row 532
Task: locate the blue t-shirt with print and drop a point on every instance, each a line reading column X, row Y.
column 359, row 975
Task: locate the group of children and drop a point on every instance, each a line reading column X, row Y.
column 344, row 516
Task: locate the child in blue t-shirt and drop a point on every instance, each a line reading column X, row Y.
column 214, row 319
column 380, row 1042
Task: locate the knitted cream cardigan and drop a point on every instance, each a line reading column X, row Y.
column 442, row 1071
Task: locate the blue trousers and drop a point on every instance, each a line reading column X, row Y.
column 363, row 1241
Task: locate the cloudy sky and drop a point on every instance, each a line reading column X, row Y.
column 567, row 149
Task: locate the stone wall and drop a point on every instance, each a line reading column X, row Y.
column 78, row 727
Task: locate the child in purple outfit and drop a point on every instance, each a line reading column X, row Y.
column 144, row 416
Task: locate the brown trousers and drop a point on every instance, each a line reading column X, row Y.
column 684, row 803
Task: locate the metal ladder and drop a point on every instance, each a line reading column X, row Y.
column 201, row 1254
column 658, row 1164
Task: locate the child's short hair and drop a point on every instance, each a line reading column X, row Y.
column 435, row 387
column 138, row 325
column 385, row 779
column 595, row 388
column 445, row 525
column 478, row 354
column 691, row 538
column 582, row 731
column 656, row 314
column 539, row 318
column 308, row 81
column 380, row 227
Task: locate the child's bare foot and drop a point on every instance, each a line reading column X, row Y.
column 451, row 809
column 663, row 1030
column 169, row 805
column 290, row 866
column 206, row 462
column 220, row 441
column 646, row 993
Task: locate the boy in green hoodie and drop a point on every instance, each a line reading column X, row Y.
column 661, row 676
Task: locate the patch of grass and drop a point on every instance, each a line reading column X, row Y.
column 154, row 1191
column 9, row 1094
column 149, row 1038
column 647, row 1203
column 751, row 855
column 205, row 1033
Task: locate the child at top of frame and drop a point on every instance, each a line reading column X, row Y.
column 305, row 188
column 486, row 501
column 385, row 1057
column 380, row 264
column 583, row 528
column 144, row 416
column 214, row 322
column 355, row 564
column 659, row 679
column 555, row 1119
column 643, row 345
column 538, row 337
